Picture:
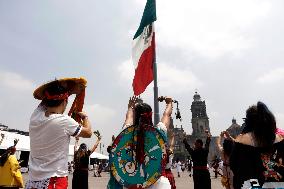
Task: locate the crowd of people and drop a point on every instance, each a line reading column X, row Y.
column 253, row 158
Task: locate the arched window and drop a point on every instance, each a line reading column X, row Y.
column 201, row 129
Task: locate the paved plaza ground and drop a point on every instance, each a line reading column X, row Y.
column 183, row 182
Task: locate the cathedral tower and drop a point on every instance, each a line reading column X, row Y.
column 200, row 120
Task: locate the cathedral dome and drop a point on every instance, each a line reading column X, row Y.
column 234, row 129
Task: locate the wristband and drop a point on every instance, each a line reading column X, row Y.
column 85, row 117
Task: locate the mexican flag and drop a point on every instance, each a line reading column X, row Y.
column 143, row 50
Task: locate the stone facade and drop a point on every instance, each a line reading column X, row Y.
column 235, row 129
column 199, row 120
column 200, row 123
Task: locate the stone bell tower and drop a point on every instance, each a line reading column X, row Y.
column 200, row 120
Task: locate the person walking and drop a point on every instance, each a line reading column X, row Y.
column 178, row 167
column 199, row 155
column 215, row 166
column 189, row 166
column 100, row 169
column 50, row 131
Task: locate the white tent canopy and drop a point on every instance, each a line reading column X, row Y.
column 23, row 144
column 98, row 156
column 93, row 155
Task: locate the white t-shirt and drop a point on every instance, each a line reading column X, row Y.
column 49, row 141
column 178, row 167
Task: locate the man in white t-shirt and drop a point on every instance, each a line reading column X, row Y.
column 50, row 131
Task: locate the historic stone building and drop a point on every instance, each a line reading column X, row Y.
column 179, row 149
column 200, row 123
column 235, row 129
column 199, row 120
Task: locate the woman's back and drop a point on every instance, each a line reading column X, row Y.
column 249, row 161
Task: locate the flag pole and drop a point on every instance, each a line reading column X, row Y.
column 156, row 102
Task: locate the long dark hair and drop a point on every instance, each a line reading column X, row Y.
column 81, row 152
column 140, row 110
column 227, row 147
column 10, row 151
column 262, row 124
column 143, row 119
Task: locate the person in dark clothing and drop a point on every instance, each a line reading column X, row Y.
column 81, row 165
column 201, row 175
column 189, row 166
column 215, row 166
column 100, row 169
column 258, row 153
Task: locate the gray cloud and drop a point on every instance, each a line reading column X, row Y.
column 228, row 50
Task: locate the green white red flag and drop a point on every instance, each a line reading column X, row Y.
column 143, row 49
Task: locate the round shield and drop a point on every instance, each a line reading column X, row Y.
column 125, row 169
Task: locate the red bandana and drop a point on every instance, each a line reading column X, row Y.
column 147, row 115
column 56, row 97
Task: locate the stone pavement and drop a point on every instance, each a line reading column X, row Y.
column 183, row 182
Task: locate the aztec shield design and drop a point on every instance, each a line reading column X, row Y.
column 125, row 169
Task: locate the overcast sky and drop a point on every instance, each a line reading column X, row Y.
column 230, row 51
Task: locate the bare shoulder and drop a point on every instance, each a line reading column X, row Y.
column 247, row 139
column 278, row 138
column 244, row 139
column 240, row 137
